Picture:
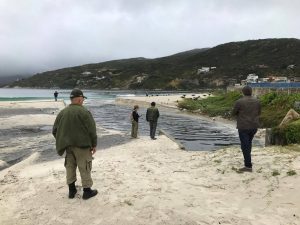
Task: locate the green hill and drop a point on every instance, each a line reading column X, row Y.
column 233, row 61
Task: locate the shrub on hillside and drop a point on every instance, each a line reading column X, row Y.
column 220, row 105
column 275, row 106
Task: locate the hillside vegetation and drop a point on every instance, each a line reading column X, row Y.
column 220, row 104
column 274, row 106
column 180, row 71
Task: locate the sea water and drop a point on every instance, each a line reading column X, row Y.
column 192, row 131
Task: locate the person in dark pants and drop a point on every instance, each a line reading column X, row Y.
column 135, row 121
column 247, row 110
column 55, row 95
column 152, row 117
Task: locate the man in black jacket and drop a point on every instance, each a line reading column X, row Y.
column 247, row 110
column 135, row 121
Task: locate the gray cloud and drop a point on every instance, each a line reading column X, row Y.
column 40, row 35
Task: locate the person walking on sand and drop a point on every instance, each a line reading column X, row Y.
column 135, row 121
column 152, row 117
column 247, row 110
column 55, row 95
column 75, row 132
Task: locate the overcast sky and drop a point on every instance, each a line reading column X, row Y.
column 41, row 35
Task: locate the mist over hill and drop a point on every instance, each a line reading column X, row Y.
column 229, row 62
column 5, row 80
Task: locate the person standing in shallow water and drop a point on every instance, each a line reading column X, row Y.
column 55, row 95
column 75, row 132
column 135, row 121
column 152, row 117
column 247, row 110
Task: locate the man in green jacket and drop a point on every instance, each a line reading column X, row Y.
column 152, row 117
column 75, row 133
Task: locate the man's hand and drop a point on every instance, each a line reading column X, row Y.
column 93, row 150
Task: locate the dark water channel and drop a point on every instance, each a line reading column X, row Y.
column 193, row 132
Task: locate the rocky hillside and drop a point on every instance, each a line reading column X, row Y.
column 227, row 62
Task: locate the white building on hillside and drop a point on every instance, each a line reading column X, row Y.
column 203, row 70
column 86, row 73
column 252, row 78
column 290, row 67
column 281, row 79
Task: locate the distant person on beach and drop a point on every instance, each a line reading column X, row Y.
column 152, row 117
column 247, row 110
column 55, row 95
column 75, row 133
column 135, row 121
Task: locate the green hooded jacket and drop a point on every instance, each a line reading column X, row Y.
column 74, row 126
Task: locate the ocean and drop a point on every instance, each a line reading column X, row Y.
column 194, row 133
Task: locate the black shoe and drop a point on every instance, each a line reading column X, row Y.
column 154, row 138
column 245, row 169
column 72, row 194
column 88, row 193
column 72, row 190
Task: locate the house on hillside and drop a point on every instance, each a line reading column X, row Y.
column 86, row 73
column 203, row 70
column 281, row 79
column 263, row 80
column 290, row 67
column 140, row 79
column 295, row 79
column 206, row 69
column 262, row 66
column 99, row 78
column 252, row 78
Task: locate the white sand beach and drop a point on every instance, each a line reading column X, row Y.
column 141, row 181
column 169, row 100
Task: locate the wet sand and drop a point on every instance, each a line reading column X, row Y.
column 141, row 181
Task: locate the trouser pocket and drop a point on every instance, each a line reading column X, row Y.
column 89, row 165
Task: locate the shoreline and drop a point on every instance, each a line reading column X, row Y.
column 172, row 104
column 141, row 181
column 23, row 126
column 162, row 101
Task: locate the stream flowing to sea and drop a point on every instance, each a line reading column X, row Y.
column 193, row 132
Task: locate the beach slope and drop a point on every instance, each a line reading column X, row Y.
column 144, row 181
